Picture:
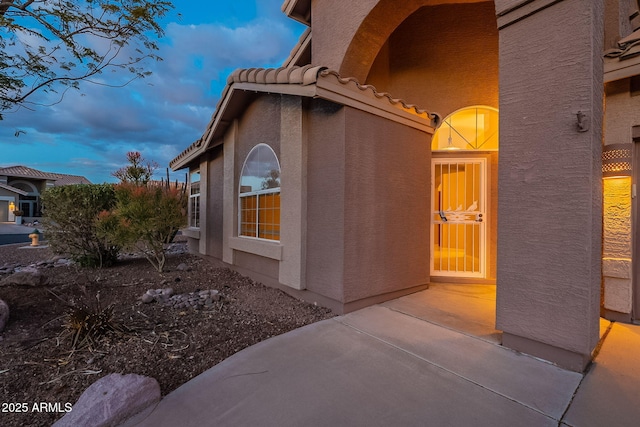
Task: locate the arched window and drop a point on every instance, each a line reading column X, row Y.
column 259, row 198
column 470, row 129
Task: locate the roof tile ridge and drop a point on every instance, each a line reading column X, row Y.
column 379, row 95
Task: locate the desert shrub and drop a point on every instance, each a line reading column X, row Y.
column 70, row 219
column 87, row 320
column 146, row 218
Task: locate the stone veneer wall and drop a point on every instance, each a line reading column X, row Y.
column 620, row 117
column 616, row 251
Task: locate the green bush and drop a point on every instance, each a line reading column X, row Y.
column 146, row 218
column 72, row 226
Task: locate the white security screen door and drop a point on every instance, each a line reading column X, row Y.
column 458, row 217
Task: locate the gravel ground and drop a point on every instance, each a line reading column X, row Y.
column 39, row 364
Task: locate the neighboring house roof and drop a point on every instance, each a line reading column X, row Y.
column 13, row 189
column 30, row 173
column 307, row 81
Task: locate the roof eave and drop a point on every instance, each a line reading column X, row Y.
column 307, row 81
column 299, row 10
column 617, row 69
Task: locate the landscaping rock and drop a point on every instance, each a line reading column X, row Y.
column 112, row 400
column 4, row 315
column 25, row 278
column 147, row 299
column 183, row 267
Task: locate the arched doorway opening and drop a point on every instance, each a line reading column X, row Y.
column 464, row 195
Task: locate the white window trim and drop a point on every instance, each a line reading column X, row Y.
column 194, row 196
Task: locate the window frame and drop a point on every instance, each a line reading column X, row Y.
column 194, row 200
column 257, row 194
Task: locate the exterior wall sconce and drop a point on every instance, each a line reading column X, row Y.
column 616, row 160
column 12, row 206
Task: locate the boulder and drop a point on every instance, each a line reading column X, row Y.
column 25, row 278
column 146, row 298
column 112, row 400
column 183, row 267
column 4, row 315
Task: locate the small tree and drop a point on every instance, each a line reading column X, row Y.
column 139, row 171
column 148, row 217
column 72, row 226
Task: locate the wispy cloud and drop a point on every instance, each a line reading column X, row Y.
column 90, row 131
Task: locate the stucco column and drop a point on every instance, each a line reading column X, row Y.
column 550, row 204
column 293, row 213
column 205, row 182
column 229, row 192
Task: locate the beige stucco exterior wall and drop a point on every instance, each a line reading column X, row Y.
column 260, row 123
column 550, row 207
column 347, row 36
column 368, row 233
column 7, row 193
column 213, row 215
column 387, row 199
column 325, row 266
column 459, row 70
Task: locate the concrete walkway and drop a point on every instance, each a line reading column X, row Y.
column 409, row 362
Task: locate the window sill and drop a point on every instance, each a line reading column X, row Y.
column 191, row 232
column 257, row 247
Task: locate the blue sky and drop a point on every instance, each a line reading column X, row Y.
column 89, row 132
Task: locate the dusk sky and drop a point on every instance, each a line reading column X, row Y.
column 91, row 130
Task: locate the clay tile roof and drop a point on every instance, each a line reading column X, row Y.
column 352, row 82
column 628, row 47
column 25, row 172
column 284, row 75
column 59, row 178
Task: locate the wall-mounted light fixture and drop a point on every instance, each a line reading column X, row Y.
column 616, row 160
column 12, row 206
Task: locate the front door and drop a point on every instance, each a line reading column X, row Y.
column 458, row 217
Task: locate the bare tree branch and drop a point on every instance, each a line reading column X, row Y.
column 32, row 61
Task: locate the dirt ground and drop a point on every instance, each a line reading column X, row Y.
column 172, row 345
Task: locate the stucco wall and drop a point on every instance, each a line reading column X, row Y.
column 549, row 237
column 7, row 193
column 387, row 199
column 260, row 123
column 325, row 207
column 215, row 203
column 442, row 58
column 347, row 36
column 334, row 24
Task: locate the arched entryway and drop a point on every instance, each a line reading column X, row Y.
column 30, row 203
column 464, row 195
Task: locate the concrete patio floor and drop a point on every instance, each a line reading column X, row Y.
column 431, row 358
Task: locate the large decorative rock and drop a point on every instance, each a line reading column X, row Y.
column 25, row 278
column 4, row 315
column 112, row 400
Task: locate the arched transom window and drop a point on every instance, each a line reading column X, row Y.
column 259, row 198
column 470, row 129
